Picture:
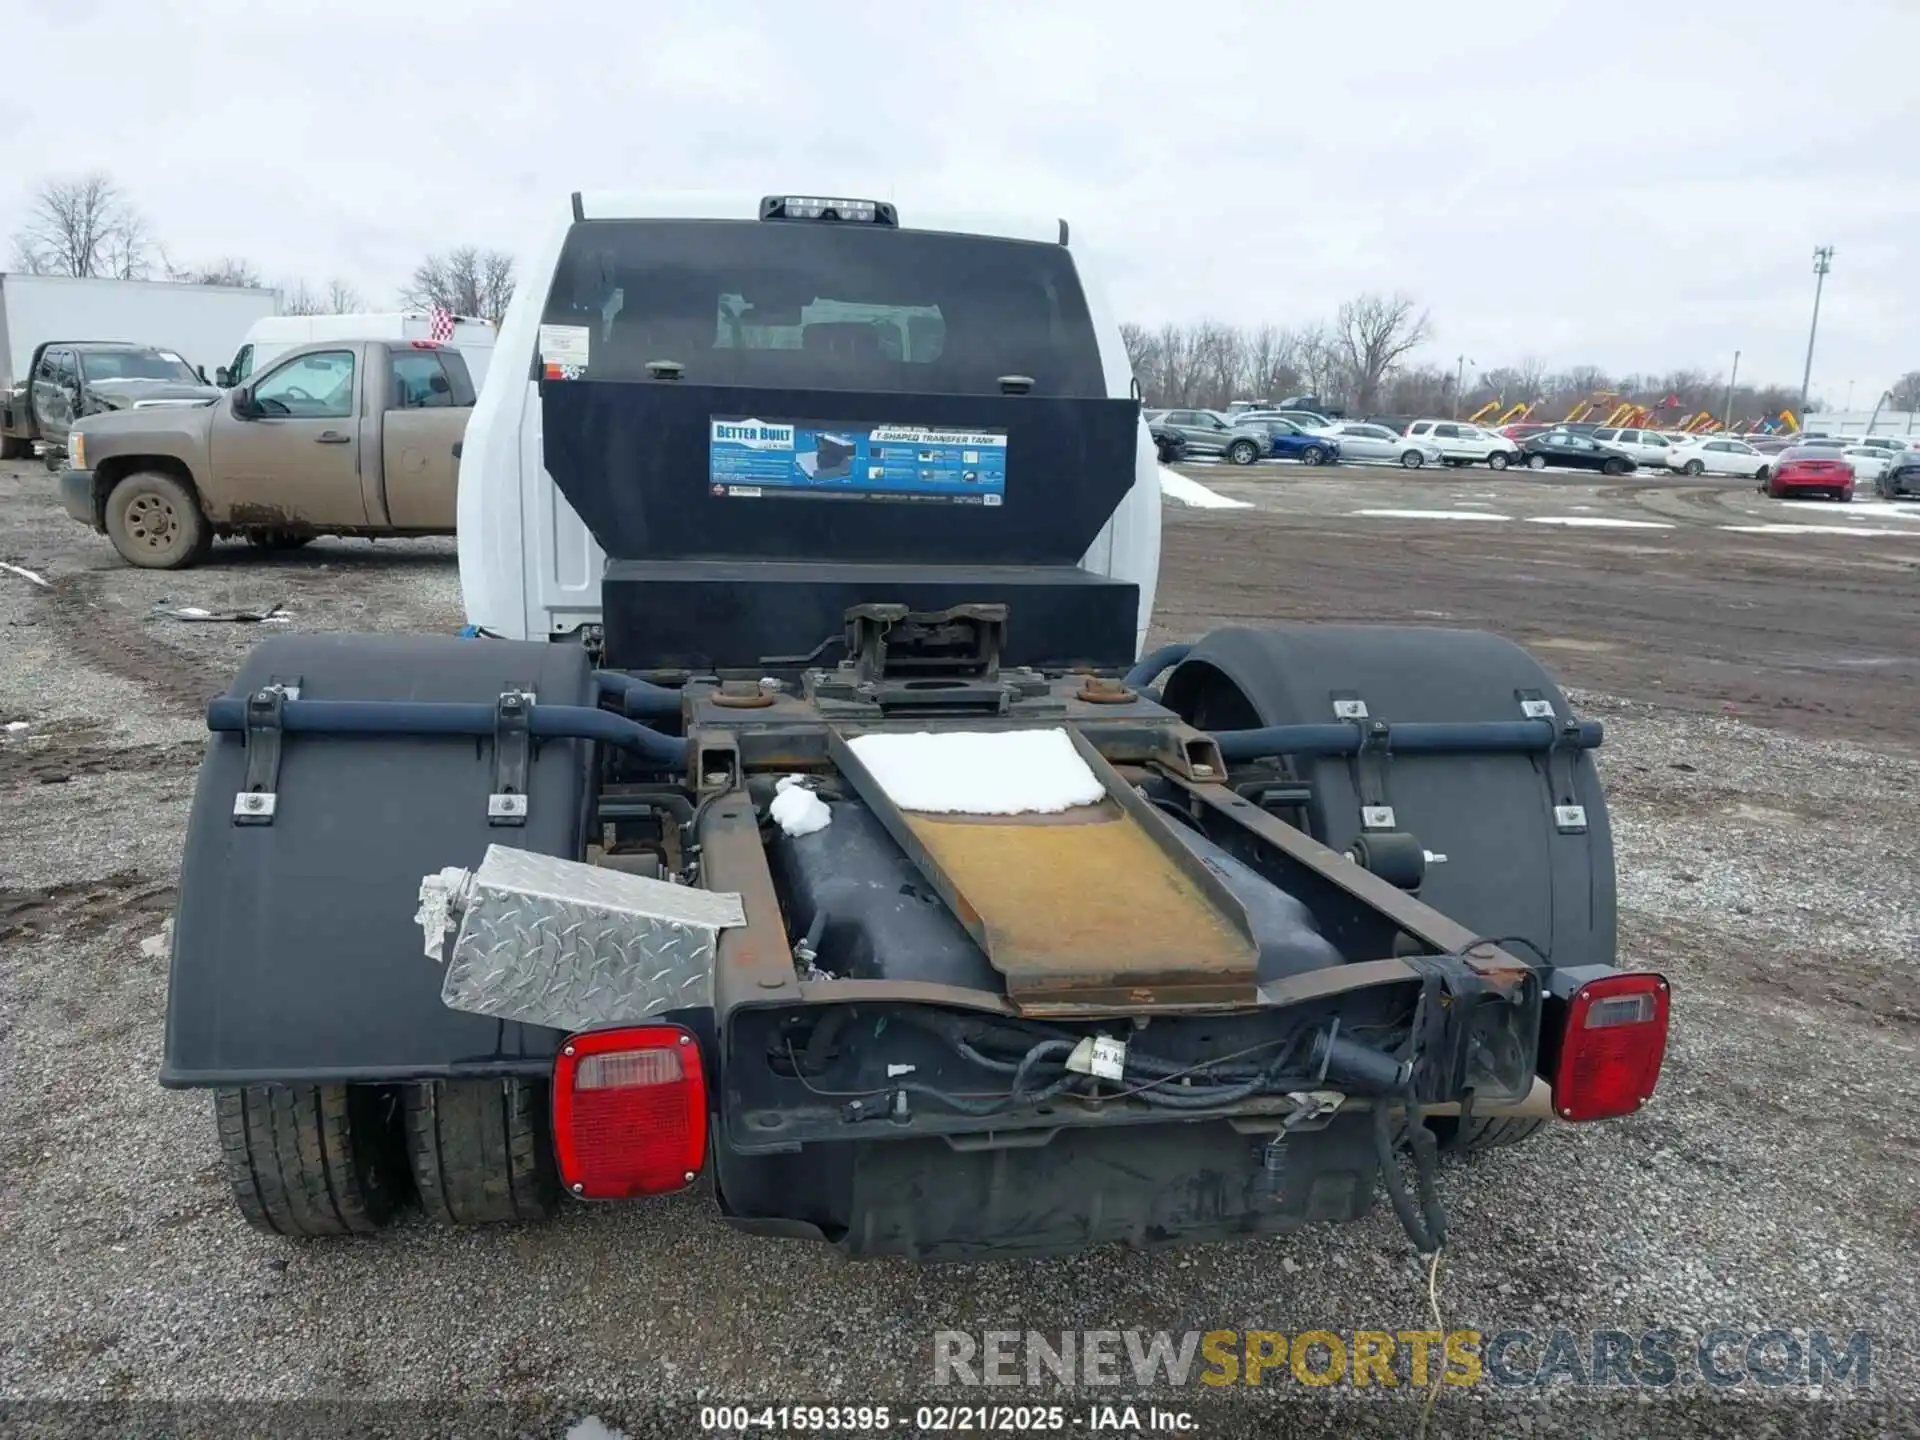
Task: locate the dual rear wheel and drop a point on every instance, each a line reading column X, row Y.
column 323, row 1160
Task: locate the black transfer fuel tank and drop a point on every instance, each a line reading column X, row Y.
column 885, row 922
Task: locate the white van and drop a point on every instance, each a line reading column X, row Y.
column 273, row 336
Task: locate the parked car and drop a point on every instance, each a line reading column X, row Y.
column 1289, row 440
column 1576, row 452
column 1723, row 455
column 1892, row 444
column 1307, row 419
column 1167, row 441
column 1769, row 444
column 339, row 438
column 1808, row 468
column 1207, row 432
column 1901, row 477
column 1364, row 440
column 1521, row 429
column 1464, row 444
column 1647, row 447
column 1869, row 462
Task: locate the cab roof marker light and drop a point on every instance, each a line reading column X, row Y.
column 827, row 208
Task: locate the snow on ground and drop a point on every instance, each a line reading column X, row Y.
column 1175, row 486
column 1430, row 515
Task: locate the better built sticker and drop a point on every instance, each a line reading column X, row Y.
column 751, row 459
column 564, row 351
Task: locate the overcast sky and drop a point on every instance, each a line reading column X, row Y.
column 1634, row 185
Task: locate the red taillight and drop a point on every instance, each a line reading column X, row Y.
column 1610, row 1054
column 629, row 1112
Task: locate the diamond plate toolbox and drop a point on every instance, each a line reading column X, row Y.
column 553, row 942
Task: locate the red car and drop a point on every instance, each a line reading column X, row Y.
column 1803, row 468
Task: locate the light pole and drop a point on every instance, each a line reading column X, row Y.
column 1730, row 379
column 1885, row 396
column 1459, row 379
column 1822, row 262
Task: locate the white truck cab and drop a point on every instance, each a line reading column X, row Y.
column 919, row 310
column 272, row 336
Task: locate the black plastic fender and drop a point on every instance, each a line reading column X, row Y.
column 1512, row 869
column 296, row 956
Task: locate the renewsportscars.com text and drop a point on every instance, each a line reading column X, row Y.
column 1774, row 1358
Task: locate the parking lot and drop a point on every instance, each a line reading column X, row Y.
column 1756, row 664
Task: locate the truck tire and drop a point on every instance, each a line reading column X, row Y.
column 1487, row 1132
column 311, row 1160
column 154, row 521
column 481, row 1151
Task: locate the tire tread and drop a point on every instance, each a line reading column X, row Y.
column 301, row 1162
column 479, row 1151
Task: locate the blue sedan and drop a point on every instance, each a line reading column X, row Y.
column 1293, row 442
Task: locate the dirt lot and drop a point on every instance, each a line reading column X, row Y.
column 1759, row 688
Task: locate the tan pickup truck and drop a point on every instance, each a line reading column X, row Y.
column 338, row 438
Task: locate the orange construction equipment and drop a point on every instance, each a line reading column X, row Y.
column 1516, row 412
column 1587, row 408
column 1479, row 417
column 1703, row 423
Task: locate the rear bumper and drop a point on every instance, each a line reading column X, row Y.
column 1823, row 482
column 76, row 496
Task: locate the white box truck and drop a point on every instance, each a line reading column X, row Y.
column 197, row 324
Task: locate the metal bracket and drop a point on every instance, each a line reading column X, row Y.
column 1560, row 763
column 1534, row 705
column 1369, row 763
column 259, row 796
column 512, row 742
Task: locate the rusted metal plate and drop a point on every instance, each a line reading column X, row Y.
column 1095, row 905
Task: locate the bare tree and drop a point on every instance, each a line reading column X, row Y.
column 229, row 270
column 1906, row 391
column 1324, row 365
column 300, row 298
column 1375, row 332
column 82, row 227
column 1272, row 369
column 466, row 280
column 1585, row 380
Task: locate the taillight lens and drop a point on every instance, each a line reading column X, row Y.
column 1615, row 1041
column 629, row 1112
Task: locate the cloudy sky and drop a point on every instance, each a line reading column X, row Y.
column 1635, row 185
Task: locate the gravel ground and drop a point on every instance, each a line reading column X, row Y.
column 1770, row 1184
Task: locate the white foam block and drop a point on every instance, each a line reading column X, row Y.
column 964, row 772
